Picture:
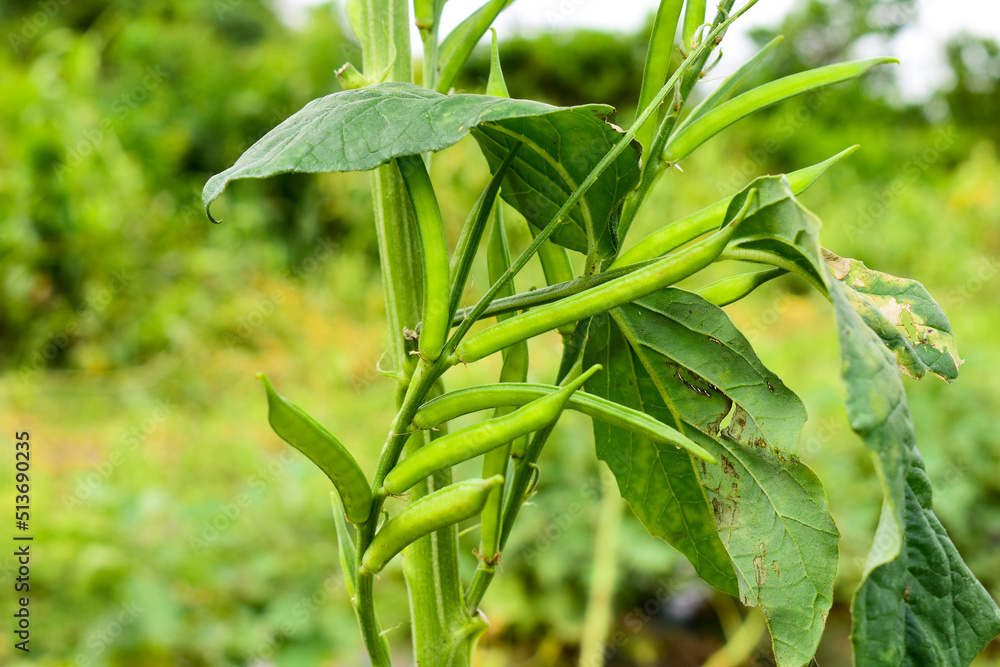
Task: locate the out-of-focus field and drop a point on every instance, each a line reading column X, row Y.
column 173, row 528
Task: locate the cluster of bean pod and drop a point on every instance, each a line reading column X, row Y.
column 452, row 504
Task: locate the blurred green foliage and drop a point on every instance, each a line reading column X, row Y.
column 174, row 529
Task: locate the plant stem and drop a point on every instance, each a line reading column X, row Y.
column 602, row 582
column 378, row 649
column 440, row 626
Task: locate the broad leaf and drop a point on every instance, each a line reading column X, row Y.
column 914, row 573
column 918, row 604
column 909, row 322
column 681, row 358
column 903, row 314
column 358, row 130
column 560, row 150
column 659, row 481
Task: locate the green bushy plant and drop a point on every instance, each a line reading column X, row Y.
column 700, row 436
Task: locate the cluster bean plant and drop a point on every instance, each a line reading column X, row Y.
column 700, row 436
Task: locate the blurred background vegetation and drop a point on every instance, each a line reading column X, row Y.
column 173, row 528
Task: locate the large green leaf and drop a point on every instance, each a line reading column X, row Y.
column 563, row 148
column 918, row 604
column 659, row 481
column 688, row 362
column 358, row 130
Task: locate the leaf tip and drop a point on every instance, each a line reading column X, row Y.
column 210, row 218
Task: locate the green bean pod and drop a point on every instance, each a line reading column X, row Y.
column 728, row 290
column 294, row 426
column 658, row 56
column 730, row 85
column 450, row 505
column 471, row 441
column 683, row 143
column 688, row 228
column 437, row 289
column 694, row 18
column 632, row 286
column 473, row 399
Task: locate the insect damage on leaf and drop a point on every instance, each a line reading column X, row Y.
column 903, row 314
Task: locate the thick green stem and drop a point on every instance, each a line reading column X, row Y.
column 436, row 602
column 378, row 649
column 440, row 626
column 386, row 55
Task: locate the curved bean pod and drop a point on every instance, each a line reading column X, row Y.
column 630, row 287
column 683, row 143
column 452, row 504
column 471, row 441
column 694, row 17
column 298, row 429
column 437, row 273
column 472, row 399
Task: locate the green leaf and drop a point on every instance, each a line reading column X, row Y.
column 358, row 130
column 685, row 140
column 778, row 230
column 914, row 573
column 560, row 150
column 659, row 482
column 918, row 603
column 679, row 358
column 903, row 314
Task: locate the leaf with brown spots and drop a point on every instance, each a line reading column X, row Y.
column 767, row 511
column 903, row 314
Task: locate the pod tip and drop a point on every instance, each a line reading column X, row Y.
column 583, row 377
